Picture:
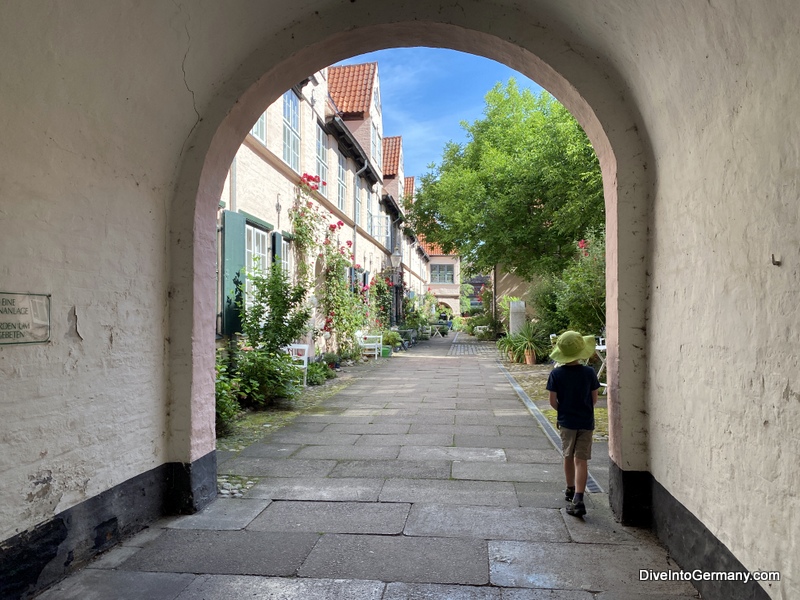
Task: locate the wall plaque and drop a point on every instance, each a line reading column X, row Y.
column 24, row 318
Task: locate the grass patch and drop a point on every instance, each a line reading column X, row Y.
column 254, row 425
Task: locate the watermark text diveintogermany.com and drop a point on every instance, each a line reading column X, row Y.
column 698, row 575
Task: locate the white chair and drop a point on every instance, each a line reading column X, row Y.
column 300, row 356
column 370, row 344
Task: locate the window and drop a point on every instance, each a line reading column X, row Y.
column 291, row 130
column 256, row 254
column 376, row 99
column 358, row 197
column 442, row 274
column 377, row 146
column 259, row 130
column 286, row 263
column 372, row 218
column 342, row 194
column 322, row 160
column 388, row 225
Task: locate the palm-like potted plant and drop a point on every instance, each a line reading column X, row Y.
column 528, row 341
column 506, row 346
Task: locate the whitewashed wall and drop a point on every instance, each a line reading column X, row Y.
column 108, row 112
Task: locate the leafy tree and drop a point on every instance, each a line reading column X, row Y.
column 519, row 193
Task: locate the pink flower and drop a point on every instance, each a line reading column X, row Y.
column 583, row 244
column 332, row 227
column 340, row 223
column 349, row 244
column 358, row 266
column 309, row 205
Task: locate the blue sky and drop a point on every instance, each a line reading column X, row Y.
column 427, row 92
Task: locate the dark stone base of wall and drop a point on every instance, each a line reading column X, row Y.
column 639, row 500
column 35, row 559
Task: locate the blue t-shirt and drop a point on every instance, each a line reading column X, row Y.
column 573, row 385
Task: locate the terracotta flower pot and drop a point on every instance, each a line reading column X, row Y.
column 530, row 357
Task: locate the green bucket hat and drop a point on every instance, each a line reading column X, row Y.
column 571, row 346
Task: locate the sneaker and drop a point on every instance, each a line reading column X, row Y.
column 569, row 493
column 577, row 509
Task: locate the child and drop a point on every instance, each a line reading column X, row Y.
column 573, row 394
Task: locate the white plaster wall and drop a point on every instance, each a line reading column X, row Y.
column 108, row 108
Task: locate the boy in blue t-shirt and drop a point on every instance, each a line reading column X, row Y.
column 573, row 394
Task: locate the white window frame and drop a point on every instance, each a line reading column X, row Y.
column 322, row 160
column 377, row 146
column 342, row 180
column 256, row 254
column 439, row 273
column 259, row 130
column 358, row 200
column 388, row 224
column 372, row 218
column 286, row 256
column 291, row 130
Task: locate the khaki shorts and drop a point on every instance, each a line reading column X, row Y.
column 576, row 443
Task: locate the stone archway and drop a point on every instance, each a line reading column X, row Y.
column 592, row 96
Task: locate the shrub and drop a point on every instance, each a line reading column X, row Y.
column 226, row 390
column 267, row 376
column 318, row 373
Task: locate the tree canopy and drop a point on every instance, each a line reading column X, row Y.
column 519, row 194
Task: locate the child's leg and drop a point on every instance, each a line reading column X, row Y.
column 569, row 472
column 581, row 474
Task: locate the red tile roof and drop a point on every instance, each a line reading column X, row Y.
column 350, row 86
column 391, row 155
column 431, row 248
column 408, row 187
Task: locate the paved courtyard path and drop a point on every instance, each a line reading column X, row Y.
column 426, row 478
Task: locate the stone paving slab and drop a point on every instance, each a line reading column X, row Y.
column 225, row 552
column 444, row 418
column 420, row 560
column 409, row 439
column 234, row 587
column 598, row 526
column 489, row 523
column 502, row 441
column 223, row 514
column 268, row 450
column 452, row 453
column 432, row 428
column 310, row 488
column 333, row 517
column 541, row 495
column 322, row 418
column 369, row 428
column 563, row 566
column 92, row 584
column 349, row 452
column 534, row 455
column 421, row 469
column 428, row 591
column 289, row 437
column 437, row 491
column 507, row 471
column 278, row 467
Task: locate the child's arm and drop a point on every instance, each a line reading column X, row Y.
column 554, row 400
column 594, row 397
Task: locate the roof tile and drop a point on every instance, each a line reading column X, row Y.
column 350, row 86
column 391, row 155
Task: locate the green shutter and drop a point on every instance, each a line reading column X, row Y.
column 233, row 257
column 277, row 247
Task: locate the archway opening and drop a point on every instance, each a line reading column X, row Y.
column 282, row 75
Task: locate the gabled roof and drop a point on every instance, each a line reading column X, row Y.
column 432, row 249
column 408, row 186
column 391, row 155
column 350, row 86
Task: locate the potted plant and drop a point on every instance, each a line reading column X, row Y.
column 506, row 347
column 331, row 359
column 528, row 341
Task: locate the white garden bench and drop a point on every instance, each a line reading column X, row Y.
column 300, row 356
column 370, row 344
